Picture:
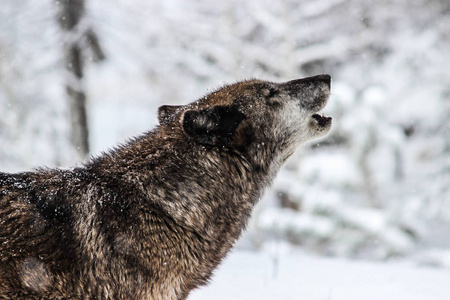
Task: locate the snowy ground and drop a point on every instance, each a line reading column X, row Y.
column 249, row 275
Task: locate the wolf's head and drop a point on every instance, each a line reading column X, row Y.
column 257, row 117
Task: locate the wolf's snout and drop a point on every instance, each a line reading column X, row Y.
column 311, row 80
column 311, row 92
column 325, row 78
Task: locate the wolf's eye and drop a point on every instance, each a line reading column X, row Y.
column 273, row 103
column 271, row 97
column 270, row 92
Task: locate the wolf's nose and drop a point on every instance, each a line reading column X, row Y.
column 313, row 79
column 324, row 77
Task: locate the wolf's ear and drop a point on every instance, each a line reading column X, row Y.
column 166, row 113
column 214, row 126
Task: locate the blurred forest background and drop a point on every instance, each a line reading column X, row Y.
column 78, row 77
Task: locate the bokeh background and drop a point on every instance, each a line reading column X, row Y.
column 378, row 187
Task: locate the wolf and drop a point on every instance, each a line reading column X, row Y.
column 153, row 218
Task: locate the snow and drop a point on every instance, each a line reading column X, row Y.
column 296, row 275
column 295, row 223
column 334, row 169
column 434, row 257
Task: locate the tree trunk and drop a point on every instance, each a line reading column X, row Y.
column 77, row 101
column 70, row 14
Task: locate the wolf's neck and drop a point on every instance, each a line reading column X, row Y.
column 211, row 191
column 204, row 190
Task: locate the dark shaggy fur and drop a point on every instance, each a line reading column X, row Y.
column 153, row 218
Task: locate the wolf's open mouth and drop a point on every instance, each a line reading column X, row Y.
column 322, row 120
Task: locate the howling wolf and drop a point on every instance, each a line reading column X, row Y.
column 154, row 217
